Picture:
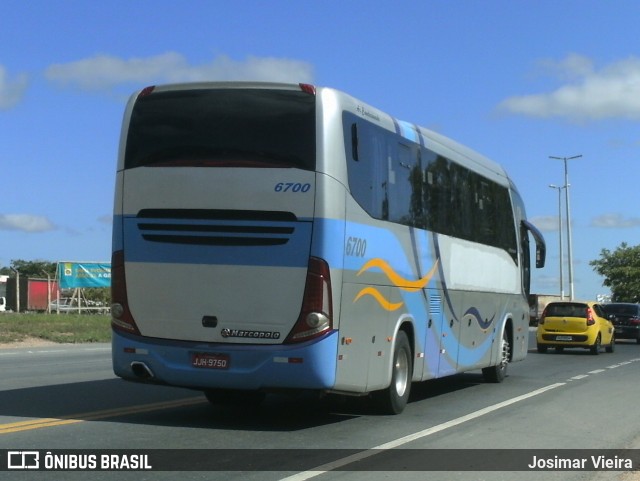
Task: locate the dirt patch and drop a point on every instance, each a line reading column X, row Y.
column 27, row 342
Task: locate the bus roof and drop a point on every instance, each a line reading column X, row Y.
column 437, row 142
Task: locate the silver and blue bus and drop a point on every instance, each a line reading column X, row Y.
column 275, row 237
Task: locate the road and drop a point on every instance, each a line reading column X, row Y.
column 66, row 397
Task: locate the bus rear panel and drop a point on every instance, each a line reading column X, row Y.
column 214, row 274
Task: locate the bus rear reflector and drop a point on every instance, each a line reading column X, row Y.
column 288, row 360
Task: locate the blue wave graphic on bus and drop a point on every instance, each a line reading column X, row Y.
column 475, row 313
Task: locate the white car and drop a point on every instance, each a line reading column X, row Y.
column 64, row 304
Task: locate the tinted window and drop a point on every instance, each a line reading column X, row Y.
column 519, row 211
column 227, row 127
column 566, row 309
column 599, row 311
column 400, row 181
column 368, row 168
column 622, row 309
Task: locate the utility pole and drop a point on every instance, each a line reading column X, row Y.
column 17, row 288
column 569, row 243
column 559, row 188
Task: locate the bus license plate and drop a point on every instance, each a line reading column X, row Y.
column 210, row 361
column 564, row 338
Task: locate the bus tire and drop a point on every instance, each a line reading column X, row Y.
column 394, row 399
column 499, row 372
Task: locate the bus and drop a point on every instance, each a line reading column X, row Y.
column 275, row 237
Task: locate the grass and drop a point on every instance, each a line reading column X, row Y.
column 72, row 328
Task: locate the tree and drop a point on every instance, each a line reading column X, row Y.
column 37, row 268
column 621, row 272
column 40, row 269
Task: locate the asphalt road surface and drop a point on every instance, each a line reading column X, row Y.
column 57, row 398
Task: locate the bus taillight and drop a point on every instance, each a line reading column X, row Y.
column 121, row 318
column 308, row 88
column 146, row 91
column 316, row 315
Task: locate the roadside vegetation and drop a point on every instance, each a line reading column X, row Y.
column 69, row 328
column 621, row 271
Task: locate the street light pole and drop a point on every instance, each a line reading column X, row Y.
column 17, row 288
column 569, row 243
column 559, row 188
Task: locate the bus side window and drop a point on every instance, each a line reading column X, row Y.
column 367, row 170
column 354, row 142
column 526, row 259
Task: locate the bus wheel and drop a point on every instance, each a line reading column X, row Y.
column 394, row 399
column 499, row 372
column 234, row 397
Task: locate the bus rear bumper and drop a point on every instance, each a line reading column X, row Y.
column 310, row 365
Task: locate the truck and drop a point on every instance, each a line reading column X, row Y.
column 33, row 294
column 3, row 292
column 537, row 303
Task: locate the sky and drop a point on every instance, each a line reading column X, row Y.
column 518, row 81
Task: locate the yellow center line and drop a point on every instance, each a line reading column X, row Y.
column 93, row 415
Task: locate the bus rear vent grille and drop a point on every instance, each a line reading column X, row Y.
column 214, row 227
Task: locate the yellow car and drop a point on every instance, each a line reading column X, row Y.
column 575, row 324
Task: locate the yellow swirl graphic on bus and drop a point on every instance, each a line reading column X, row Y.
column 396, row 279
column 375, row 293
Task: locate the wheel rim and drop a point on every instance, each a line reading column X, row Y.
column 505, row 354
column 402, row 373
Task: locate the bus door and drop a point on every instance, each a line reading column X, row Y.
column 478, row 326
column 362, row 344
column 441, row 335
column 441, row 348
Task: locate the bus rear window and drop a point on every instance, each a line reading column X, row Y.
column 223, row 127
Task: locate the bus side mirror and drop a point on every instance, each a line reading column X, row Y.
column 541, row 246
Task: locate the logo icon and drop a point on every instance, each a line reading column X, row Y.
column 250, row 334
column 23, row 460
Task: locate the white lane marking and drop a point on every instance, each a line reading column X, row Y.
column 413, row 437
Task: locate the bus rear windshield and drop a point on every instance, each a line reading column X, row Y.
column 223, row 127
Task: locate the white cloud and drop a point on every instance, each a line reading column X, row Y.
column 25, row 223
column 106, row 219
column 571, row 68
column 613, row 221
column 11, row 90
column 589, row 94
column 104, row 72
column 545, row 223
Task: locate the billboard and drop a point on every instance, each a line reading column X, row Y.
column 84, row 274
